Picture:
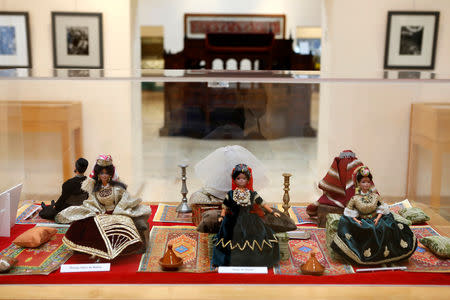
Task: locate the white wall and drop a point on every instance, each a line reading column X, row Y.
column 170, row 14
column 110, row 109
column 373, row 118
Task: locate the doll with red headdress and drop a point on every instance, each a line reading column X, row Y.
column 243, row 238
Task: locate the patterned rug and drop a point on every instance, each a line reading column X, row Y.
column 43, row 260
column 396, row 207
column 188, row 244
column 299, row 215
column 300, row 251
column 29, row 214
column 167, row 213
column 423, row 260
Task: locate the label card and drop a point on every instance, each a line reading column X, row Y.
column 72, row 268
column 243, row 270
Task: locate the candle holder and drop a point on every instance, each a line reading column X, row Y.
column 286, row 198
column 183, row 207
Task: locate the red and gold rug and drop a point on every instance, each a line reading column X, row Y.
column 168, row 214
column 187, row 243
column 42, row 260
column 300, row 251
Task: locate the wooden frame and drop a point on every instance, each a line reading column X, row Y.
column 27, row 51
column 233, row 23
column 411, row 42
column 94, row 42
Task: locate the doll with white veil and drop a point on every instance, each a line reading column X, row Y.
column 215, row 169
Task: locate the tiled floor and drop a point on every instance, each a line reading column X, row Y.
column 162, row 176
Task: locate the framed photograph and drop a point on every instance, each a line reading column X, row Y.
column 77, row 40
column 197, row 25
column 14, row 40
column 411, row 39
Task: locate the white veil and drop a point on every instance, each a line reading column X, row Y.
column 215, row 169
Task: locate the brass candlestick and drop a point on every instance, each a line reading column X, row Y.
column 286, row 198
column 183, row 207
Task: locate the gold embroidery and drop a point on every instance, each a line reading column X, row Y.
column 367, row 253
column 386, row 252
column 337, row 240
column 348, row 236
column 403, row 243
column 242, row 197
column 400, row 226
column 118, row 232
column 247, row 244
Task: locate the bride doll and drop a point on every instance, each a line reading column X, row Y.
column 367, row 232
column 243, row 238
column 110, row 220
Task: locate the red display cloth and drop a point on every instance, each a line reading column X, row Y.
column 124, row 271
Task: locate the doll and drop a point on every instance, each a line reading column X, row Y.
column 243, row 238
column 71, row 193
column 367, row 232
column 107, row 196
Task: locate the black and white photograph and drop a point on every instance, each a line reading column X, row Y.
column 14, row 40
column 77, row 40
column 411, row 39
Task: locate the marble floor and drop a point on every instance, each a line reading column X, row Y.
column 295, row 155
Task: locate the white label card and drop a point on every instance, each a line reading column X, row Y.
column 243, row 270
column 72, row 268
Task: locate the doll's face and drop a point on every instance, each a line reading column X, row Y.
column 365, row 184
column 104, row 176
column 241, row 181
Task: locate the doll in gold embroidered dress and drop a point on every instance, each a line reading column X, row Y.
column 368, row 234
column 107, row 196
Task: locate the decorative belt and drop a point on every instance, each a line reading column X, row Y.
column 369, row 216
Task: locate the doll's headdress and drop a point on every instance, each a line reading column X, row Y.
column 104, row 160
column 361, row 172
column 244, row 169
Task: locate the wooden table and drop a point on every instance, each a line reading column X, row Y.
column 429, row 128
column 64, row 117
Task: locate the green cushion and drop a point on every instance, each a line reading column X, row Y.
column 331, row 230
column 414, row 214
column 283, row 243
column 400, row 219
column 439, row 245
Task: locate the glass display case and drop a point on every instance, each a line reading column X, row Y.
column 299, row 127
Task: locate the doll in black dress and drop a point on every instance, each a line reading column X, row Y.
column 243, row 238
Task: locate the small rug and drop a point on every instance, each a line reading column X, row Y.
column 29, row 214
column 167, row 213
column 42, row 260
column 300, row 251
column 299, row 215
column 396, row 207
column 187, row 243
column 423, row 260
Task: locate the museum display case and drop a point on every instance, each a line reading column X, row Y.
column 294, row 124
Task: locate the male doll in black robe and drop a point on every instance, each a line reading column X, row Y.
column 71, row 193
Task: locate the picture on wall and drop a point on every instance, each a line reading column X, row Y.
column 196, row 26
column 14, row 40
column 77, row 40
column 411, row 39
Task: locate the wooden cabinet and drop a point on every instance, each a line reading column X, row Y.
column 429, row 128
